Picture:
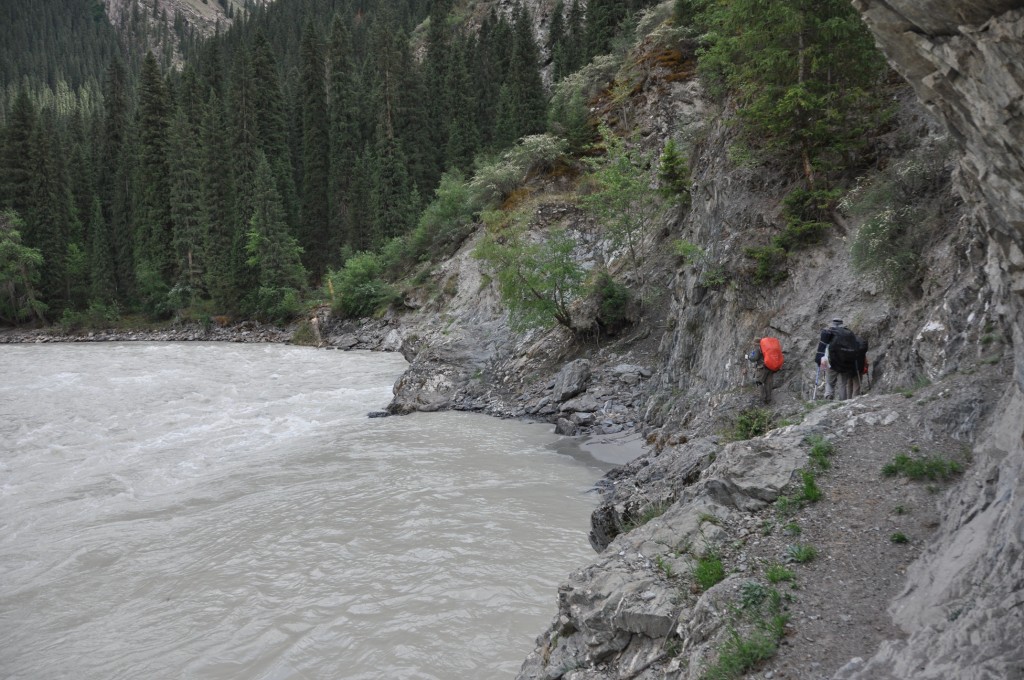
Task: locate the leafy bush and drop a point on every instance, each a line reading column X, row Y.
column 98, row 315
column 538, row 281
column 277, row 304
column 359, row 286
column 446, row 222
column 806, row 216
column 497, row 178
column 613, row 303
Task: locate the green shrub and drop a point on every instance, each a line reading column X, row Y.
column 902, row 208
column 277, row 304
column 495, row 179
column 771, row 268
column 646, row 514
column 445, row 222
column 899, row 537
column 614, row 303
column 359, row 286
column 752, row 423
column 98, row 315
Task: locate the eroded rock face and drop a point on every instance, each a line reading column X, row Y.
column 963, row 606
column 963, row 60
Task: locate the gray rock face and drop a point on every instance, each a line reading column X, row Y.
column 963, row 607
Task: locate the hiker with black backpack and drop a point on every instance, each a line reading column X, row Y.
column 843, row 355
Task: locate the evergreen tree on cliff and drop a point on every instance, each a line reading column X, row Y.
column 522, row 106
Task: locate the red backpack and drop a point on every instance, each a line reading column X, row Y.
column 771, row 349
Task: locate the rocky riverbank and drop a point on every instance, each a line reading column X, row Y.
column 243, row 332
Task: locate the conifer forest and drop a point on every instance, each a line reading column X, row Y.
column 311, row 144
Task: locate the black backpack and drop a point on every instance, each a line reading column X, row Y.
column 846, row 352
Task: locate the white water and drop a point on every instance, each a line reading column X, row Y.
column 228, row 511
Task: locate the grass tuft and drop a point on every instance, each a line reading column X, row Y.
column 928, row 467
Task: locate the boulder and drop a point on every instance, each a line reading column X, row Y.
column 571, row 380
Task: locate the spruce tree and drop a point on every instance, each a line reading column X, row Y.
column 51, row 218
column 315, row 153
column 523, row 105
column 272, row 252
column 113, row 174
column 393, row 199
column 245, row 150
column 219, row 203
column 16, row 170
column 191, row 231
column 102, row 280
column 271, row 122
column 154, row 255
column 343, row 111
column 463, row 136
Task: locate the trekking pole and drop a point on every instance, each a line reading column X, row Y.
column 814, row 394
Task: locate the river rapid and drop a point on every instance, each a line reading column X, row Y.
column 214, row 510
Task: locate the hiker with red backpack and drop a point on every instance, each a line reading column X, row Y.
column 843, row 355
column 767, row 357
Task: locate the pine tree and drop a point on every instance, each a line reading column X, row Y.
column 315, row 153
column 272, row 252
column 245, row 151
column 16, row 170
column 393, row 198
column 51, row 216
column 114, row 173
column 804, row 76
column 154, row 253
column 191, row 231
column 523, row 102
column 344, row 134
column 437, row 66
column 490, row 49
column 219, row 202
column 271, row 122
column 19, row 274
column 602, row 21
column 463, row 136
column 102, row 280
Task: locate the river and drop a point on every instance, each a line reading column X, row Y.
column 211, row 510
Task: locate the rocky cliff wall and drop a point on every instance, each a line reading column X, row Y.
column 963, row 605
